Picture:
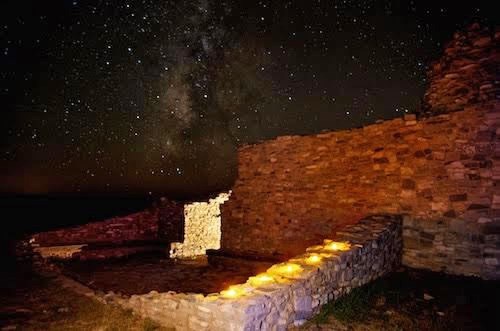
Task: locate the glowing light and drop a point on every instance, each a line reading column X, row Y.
column 233, row 292
column 337, row 246
column 261, row 279
column 313, row 259
column 285, row 269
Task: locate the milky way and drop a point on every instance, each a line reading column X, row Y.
column 155, row 96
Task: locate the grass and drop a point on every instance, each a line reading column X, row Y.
column 356, row 305
column 414, row 300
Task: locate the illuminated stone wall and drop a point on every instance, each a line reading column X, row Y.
column 287, row 294
column 202, row 228
column 442, row 170
column 293, row 191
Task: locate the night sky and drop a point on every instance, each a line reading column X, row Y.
column 153, row 97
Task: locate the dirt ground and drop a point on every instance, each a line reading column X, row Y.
column 142, row 274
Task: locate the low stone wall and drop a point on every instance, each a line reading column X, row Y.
column 288, row 293
column 140, row 226
column 453, row 246
column 150, row 230
column 164, row 221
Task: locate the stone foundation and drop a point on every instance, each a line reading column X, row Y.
column 282, row 298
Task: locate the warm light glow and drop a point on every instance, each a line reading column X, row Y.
column 337, row 246
column 261, row 279
column 313, row 259
column 233, row 292
column 285, row 269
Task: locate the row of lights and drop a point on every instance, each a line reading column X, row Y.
column 287, row 269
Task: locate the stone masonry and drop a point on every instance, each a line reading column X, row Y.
column 442, row 170
column 288, row 298
column 467, row 74
column 441, row 173
column 454, row 246
column 201, row 229
column 140, row 226
column 149, row 230
column 293, row 190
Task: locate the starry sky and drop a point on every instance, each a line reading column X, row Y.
column 154, row 97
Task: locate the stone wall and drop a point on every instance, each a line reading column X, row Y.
column 442, row 170
column 202, row 228
column 287, row 294
column 146, row 231
column 467, row 74
column 142, row 226
column 293, row 190
column 454, row 245
column 164, row 221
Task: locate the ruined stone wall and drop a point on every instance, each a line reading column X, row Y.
column 442, row 170
column 202, row 228
column 283, row 297
column 467, row 74
column 162, row 222
column 140, row 226
column 293, row 191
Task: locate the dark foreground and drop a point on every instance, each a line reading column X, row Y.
column 404, row 300
column 415, row 300
column 33, row 302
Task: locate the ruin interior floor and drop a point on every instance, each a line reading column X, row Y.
column 141, row 274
